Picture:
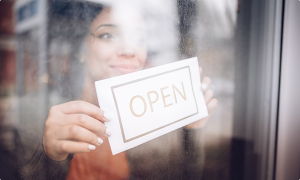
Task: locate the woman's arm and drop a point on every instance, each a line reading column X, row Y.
column 211, row 103
column 37, row 165
column 73, row 127
column 194, row 155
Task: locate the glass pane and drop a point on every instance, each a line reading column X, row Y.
column 53, row 51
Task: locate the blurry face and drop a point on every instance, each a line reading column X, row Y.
column 116, row 45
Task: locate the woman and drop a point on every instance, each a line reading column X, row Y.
column 114, row 45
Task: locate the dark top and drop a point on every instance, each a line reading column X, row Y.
column 176, row 155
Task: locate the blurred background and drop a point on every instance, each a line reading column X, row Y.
column 250, row 49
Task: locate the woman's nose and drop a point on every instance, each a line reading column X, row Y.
column 126, row 49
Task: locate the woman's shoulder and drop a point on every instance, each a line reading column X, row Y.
column 31, row 114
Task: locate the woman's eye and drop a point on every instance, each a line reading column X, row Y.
column 107, row 36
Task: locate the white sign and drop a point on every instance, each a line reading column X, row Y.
column 152, row 102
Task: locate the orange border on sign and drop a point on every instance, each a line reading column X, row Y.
column 116, row 104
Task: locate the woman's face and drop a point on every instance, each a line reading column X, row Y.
column 116, row 45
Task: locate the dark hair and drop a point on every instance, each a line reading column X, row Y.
column 78, row 10
column 77, row 15
column 69, row 23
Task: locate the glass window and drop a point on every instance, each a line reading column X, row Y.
column 52, row 52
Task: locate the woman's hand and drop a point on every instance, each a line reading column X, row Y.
column 73, row 127
column 211, row 103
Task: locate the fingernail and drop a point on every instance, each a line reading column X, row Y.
column 107, row 116
column 100, row 141
column 108, row 132
column 204, row 86
column 92, row 147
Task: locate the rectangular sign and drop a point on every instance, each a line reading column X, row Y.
column 152, row 102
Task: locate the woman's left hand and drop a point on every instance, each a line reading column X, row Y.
column 211, row 103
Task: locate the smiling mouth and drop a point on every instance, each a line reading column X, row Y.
column 124, row 69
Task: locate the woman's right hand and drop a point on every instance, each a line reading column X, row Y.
column 73, row 127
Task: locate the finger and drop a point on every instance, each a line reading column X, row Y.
column 198, row 124
column 77, row 133
column 82, row 107
column 200, row 69
column 211, row 106
column 205, row 83
column 84, row 121
column 74, row 147
column 208, row 95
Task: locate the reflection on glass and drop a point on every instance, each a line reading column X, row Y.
column 58, row 56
